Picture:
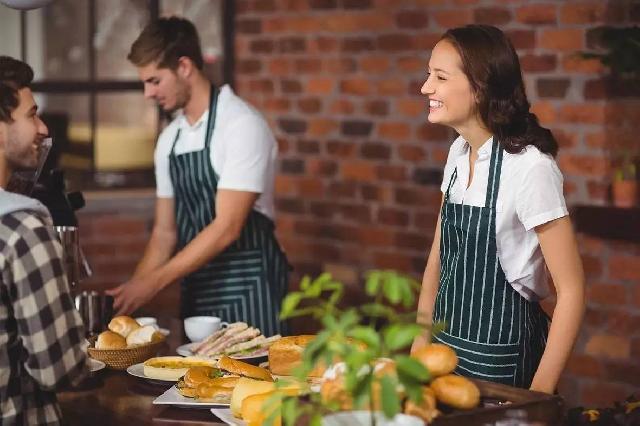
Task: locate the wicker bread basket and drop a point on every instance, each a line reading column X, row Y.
column 120, row 359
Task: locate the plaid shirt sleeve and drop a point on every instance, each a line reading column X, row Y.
column 49, row 326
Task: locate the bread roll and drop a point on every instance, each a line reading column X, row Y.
column 123, row 325
column 426, row 410
column 144, row 335
column 172, row 367
column 247, row 387
column 208, row 392
column 241, row 368
column 438, row 358
column 110, row 340
column 285, row 355
column 255, row 410
column 456, row 391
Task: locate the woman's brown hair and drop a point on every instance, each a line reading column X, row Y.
column 165, row 41
column 491, row 64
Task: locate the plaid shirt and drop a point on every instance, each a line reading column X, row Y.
column 42, row 345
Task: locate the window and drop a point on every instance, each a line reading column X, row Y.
column 89, row 94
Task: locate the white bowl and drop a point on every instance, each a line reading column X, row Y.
column 363, row 418
column 200, row 327
column 147, row 321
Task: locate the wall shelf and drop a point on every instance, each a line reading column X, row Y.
column 608, row 222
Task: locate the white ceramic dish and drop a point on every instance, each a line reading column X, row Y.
column 172, row 397
column 225, row 415
column 186, row 350
column 137, row 370
column 95, row 365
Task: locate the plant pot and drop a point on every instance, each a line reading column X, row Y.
column 363, row 418
column 624, row 193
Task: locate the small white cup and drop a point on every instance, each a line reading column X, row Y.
column 147, row 321
column 200, row 327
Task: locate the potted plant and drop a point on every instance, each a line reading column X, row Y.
column 360, row 336
column 624, row 188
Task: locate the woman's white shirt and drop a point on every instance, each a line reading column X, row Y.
column 530, row 194
column 243, row 150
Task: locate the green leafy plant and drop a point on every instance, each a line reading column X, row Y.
column 621, row 50
column 383, row 327
column 625, row 170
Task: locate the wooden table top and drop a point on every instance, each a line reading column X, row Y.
column 113, row 397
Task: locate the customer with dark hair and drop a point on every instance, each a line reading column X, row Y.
column 215, row 167
column 503, row 221
column 42, row 345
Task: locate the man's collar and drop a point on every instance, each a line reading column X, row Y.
column 184, row 124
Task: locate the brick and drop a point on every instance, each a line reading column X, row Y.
column 584, row 366
column 545, row 111
column 538, row 63
column 603, row 393
column 341, row 149
column 395, row 42
column 371, row 192
column 411, row 64
column 413, row 241
column 359, row 213
column 590, row 113
column 295, row 5
column 292, row 166
column 340, row 65
column 323, row 4
column 415, row 197
column 261, row 85
column 290, row 86
column 607, row 294
column 322, row 209
column 310, row 187
column 277, row 104
column 393, row 173
column 393, row 217
column 308, row 65
column 426, row 41
column 289, row 205
column 321, row 167
column 264, row 5
column 292, row 126
column 427, row 176
column 356, row 4
column 584, row 165
column 624, row 372
column 343, row 273
column 375, row 64
column 491, row 15
column 249, row 66
column 522, row 39
column 356, row 127
column 452, row 18
column 342, row 107
column 321, row 127
column 284, row 185
column 412, row 153
column 261, row 46
column 624, row 267
column 395, row 87
column 357, row 44
column 292, row 45
column 552, row 87
column 574, row 63
column 320, row 86
column 279, row 67
column 375, row 151
column 592, row 265
column 598, row 190
column 606, row 346
column 307, row 146
column 397, row 261
column 361, row 22
column 412, row 19
column 582, row 13
column 377, row 107
column 427, row 221
column 355, row 86
column 375, row 236
column 323, row 44
column 537, row 14
column 562, row 39
column 412, row 107
column 635, row 348
column 566, row 139
column 394, row 131
column 248, row 26
column 433, row 132
column 309, row 105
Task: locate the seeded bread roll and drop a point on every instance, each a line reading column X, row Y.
column 286, row 354
column 110, row 340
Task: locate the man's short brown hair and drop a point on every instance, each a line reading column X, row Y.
column 165, row 41
column 14, row 75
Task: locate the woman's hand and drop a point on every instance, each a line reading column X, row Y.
column 134, row 293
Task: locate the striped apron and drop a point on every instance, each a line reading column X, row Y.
column 248, row 280
column 497, row 334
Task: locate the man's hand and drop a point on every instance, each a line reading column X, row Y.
column 134, row 293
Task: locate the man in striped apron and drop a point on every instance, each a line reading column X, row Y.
column 214, row 229
column 497, row 334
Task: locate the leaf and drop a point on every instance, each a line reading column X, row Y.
column 367, row 335
column 412, row 368
column 305, row 283
column 372, row 285
column 413, row 389
column 399, row 336
column 390, row 287
column 377, row 310
column 289, row 304
column 289, row 411
column 316, row 420
column 389, row 395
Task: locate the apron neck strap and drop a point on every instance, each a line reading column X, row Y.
column 211, row 118
column 495, row 167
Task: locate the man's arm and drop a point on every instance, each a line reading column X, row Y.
column 163, row 239
column 232, row 210
column 50, row 328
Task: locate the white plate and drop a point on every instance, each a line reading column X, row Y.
column 137, row 370
column 172, row 397
column 95, row 365
column 225, row 415
column 186, row 350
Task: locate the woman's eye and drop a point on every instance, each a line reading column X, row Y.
column 441, row 78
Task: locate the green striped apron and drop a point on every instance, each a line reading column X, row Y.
column 497, row 334
column 248, row 280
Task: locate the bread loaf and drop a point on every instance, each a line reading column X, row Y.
column 144, row 335
column 110, row 340
column 123, row 325
column 286, row 354
column 439, row 359
column 456, row 391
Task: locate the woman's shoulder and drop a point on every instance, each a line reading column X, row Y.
column 530, row 158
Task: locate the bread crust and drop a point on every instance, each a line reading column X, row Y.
column 110, row 340
column 241, row 368
column 285, row 355
column 456, row 391
column 439, row 359
column 123, row 325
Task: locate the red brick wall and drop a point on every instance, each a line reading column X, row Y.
column 339, row 82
